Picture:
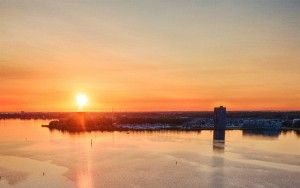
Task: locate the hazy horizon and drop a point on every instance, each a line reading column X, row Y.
column 149, row 111
column 150, row 55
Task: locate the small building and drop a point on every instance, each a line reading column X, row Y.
column 220, row 118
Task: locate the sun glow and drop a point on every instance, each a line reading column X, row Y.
column 81, row 100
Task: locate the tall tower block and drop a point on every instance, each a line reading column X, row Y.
column 220, row 118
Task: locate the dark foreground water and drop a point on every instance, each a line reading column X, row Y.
column 32, row 156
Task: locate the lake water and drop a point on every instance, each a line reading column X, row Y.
column 32, row 156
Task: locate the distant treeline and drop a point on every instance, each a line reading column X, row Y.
column 33, row 115
column 169, row 117
column 152, row 120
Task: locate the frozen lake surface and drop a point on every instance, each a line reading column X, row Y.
column 32, row 156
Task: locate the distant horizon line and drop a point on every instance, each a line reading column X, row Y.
column 157, row 111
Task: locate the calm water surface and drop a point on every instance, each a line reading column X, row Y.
column 32, row 156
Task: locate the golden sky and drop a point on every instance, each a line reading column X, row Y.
column 150, row 55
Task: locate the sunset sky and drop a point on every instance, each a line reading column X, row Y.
column 150, row 55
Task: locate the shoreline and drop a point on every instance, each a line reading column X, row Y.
column 166, row 129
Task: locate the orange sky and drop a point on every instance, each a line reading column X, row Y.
column 149, row 55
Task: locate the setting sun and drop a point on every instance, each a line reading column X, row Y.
column 81, row 100
column 205, row 91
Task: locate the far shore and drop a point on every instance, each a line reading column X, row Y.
column 154, row 128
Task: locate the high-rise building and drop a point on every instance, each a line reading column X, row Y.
column 220, row 118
